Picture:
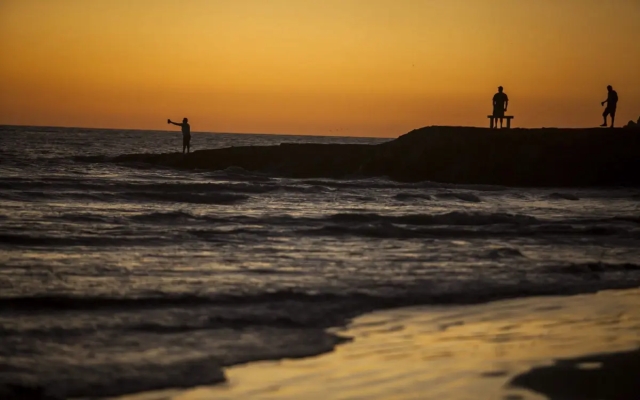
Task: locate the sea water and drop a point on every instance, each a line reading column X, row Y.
column 119, row 278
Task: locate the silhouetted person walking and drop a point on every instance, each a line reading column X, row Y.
column 612, row 103
column 186, row 133
column 500, row 104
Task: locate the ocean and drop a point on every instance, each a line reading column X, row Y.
column 125, row 277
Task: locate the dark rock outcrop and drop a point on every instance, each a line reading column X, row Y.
column 600, row 376
column 515, row 157
column 632, row 124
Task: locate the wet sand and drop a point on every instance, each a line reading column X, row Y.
column 576, row 347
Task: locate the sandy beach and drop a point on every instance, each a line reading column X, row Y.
column 499, row 350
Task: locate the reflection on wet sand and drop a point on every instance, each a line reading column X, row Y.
column 461, row 352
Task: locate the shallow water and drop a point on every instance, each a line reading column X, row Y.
column 120, row 278
column 456, row 352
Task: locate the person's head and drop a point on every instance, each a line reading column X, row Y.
column 609, row 88
column 185, row 120
column 500, row 89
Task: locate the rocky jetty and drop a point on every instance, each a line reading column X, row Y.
column 512, row 157
column 632, row 124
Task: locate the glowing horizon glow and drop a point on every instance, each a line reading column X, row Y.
column 345, row 67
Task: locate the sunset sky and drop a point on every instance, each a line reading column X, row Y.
column 347, row 67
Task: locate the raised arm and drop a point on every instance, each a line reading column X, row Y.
column 174, row 123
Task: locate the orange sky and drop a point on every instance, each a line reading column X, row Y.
column 348, row 67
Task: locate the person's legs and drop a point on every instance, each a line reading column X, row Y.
column 498, row 113
column 604, row 116
column 613, row 117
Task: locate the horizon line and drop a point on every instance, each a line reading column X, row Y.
column 207, row 132
column 299, row 134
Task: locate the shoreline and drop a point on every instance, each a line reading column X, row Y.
column 502, row 348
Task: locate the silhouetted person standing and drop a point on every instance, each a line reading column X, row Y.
column 186, row 133
column 612, row 103
column 500, row 104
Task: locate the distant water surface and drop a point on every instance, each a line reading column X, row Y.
column 119, row 278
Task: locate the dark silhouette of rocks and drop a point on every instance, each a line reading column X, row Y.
column 632, row 124
column 615, row 376
column 516, row 157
